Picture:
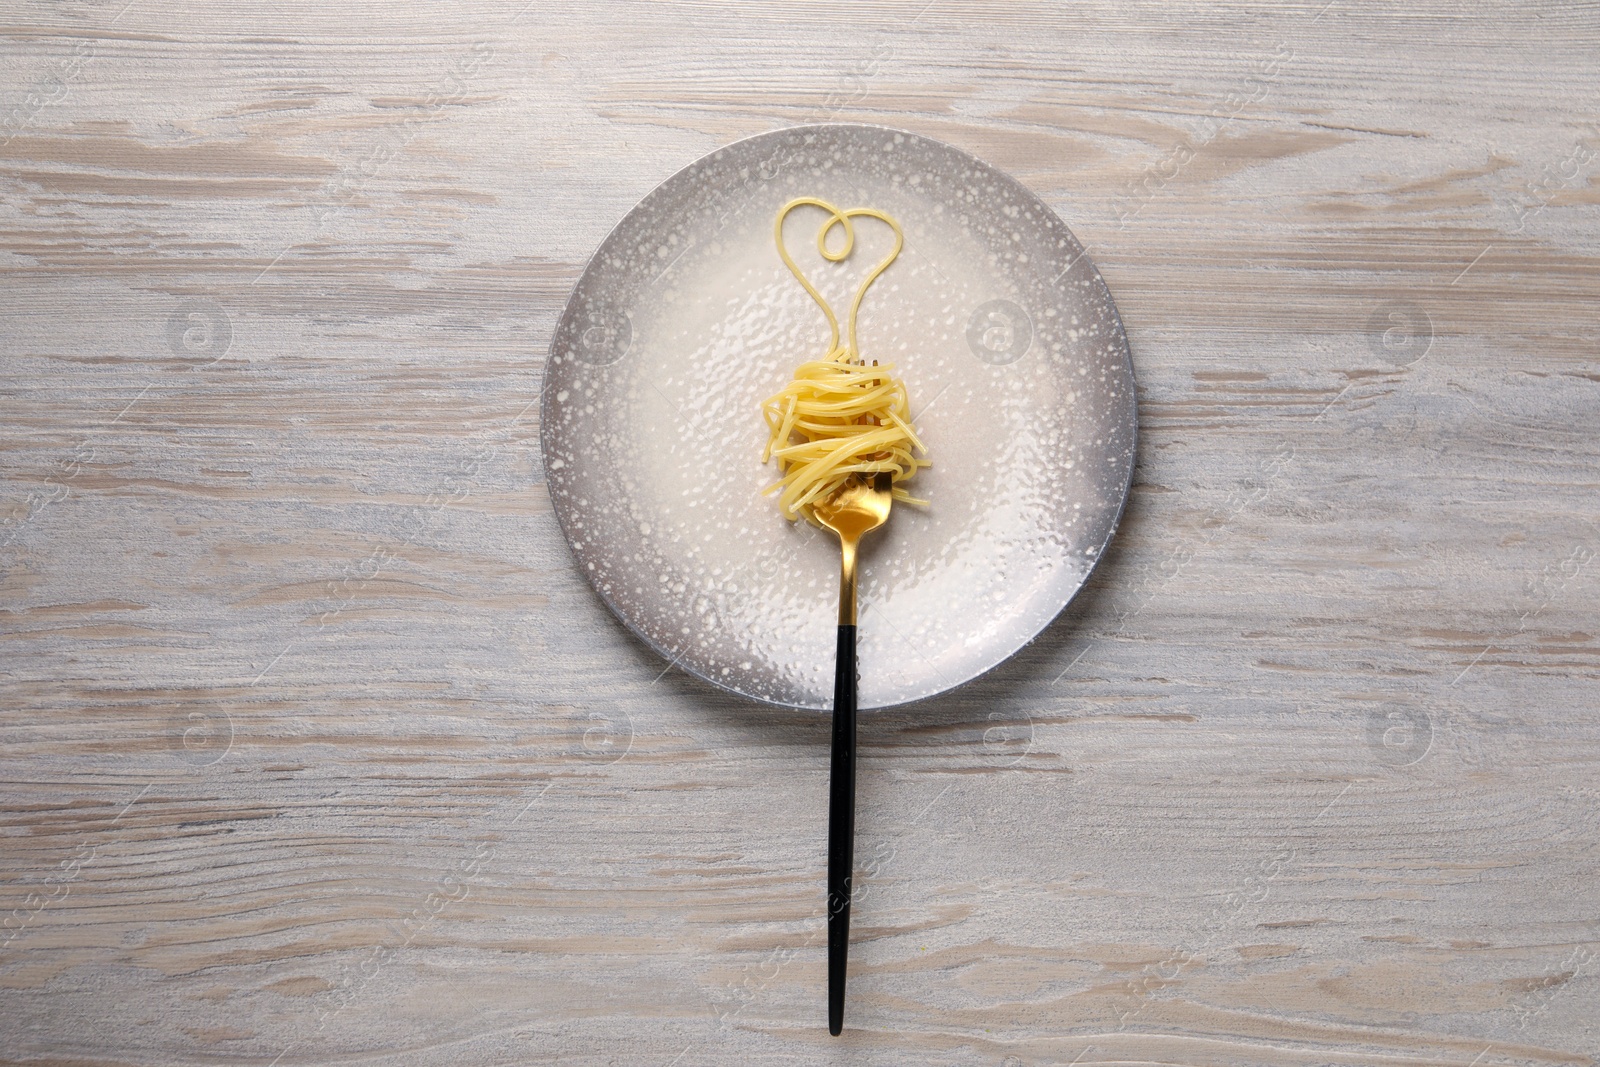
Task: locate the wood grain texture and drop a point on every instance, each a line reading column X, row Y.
column 316, row 748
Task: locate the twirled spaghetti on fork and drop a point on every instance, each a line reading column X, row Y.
column 839, row 418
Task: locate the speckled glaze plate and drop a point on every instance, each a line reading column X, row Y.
column 686, row 319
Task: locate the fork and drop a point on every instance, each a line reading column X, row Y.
column 857, row 508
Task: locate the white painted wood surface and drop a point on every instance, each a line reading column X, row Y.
column 316, row 749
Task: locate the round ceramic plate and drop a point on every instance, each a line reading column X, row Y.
column 686, row 319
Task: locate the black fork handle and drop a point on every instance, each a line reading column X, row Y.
column 841, row 823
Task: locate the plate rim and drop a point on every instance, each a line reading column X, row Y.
column 673, row 658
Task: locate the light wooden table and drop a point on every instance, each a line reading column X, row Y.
column 316, row 749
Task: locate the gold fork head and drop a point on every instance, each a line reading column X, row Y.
column 858, row 507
